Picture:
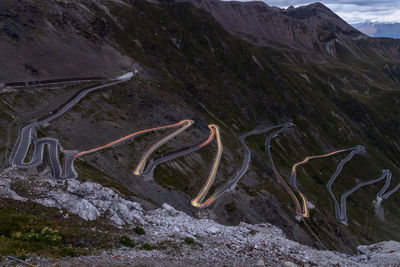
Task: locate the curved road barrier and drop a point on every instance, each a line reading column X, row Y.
column 23, row 143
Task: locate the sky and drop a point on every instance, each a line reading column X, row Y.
column 353, row 11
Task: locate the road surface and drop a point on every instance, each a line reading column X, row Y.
column 143, row 159
column 342, row 216
column 24, row 141
column 302, row 211
column 176, row 154
column 197, row 201
column 354, row 151
column 293, row 174
column 246, row 162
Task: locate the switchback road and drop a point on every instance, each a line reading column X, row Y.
column 23, row 143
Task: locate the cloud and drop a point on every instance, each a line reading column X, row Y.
column 353, row 11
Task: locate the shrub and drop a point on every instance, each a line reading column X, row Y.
column 21, row 254
column 69, row 251
column 147, row 246
column 127, row 242
column 189, row 240
column 46, row 235
column 139, row 230
column 11, row 221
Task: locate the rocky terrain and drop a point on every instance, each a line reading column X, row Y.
column 211, row 62
column 39, row 37
column 213, row 243
column 307, row 26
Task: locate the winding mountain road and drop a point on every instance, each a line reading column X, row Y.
column 177, row 153
column 143, row 159
column 340, row 211
column 246, row 162
column 24, row 141
column 354, row 151
column 196, row 202
column 302, row 211
column 342, row 216
column 293, row 174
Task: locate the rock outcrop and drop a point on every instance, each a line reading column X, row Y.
column 258, row 245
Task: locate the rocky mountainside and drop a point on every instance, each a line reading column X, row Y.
column 241, row 66
column 309, row 26
column 42, row 40
column 168, row 232
column 377, row 29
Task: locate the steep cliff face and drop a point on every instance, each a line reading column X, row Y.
column 253, row 67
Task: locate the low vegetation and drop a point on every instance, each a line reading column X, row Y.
column 28, row 229
column 147, row 246
column 189, row 240
column 127, row 242
column 139, row 230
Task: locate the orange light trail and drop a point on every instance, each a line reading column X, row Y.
column 210, row 138
column 315, row 157
column 292, row 195
column 208, row 202
column 146, row 154
column 211, row 176
column 304, row 211
column 126, row 137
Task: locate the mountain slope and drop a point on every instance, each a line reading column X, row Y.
column 192, row 67
column 306, row 26
column 42, row 41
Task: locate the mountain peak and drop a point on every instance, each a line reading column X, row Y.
column 319, row 5
column 304, row 26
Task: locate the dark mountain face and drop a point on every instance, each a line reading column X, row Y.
column 242, row 66
column 41, row 41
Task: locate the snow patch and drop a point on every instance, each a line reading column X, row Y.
column 127, row 75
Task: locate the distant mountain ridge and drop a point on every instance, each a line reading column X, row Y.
column 379, row 29
column 310, row 26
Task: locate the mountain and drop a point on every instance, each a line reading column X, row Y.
column 243, row 66
column 37, row 44
column 310, row 26
column 379, row 29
